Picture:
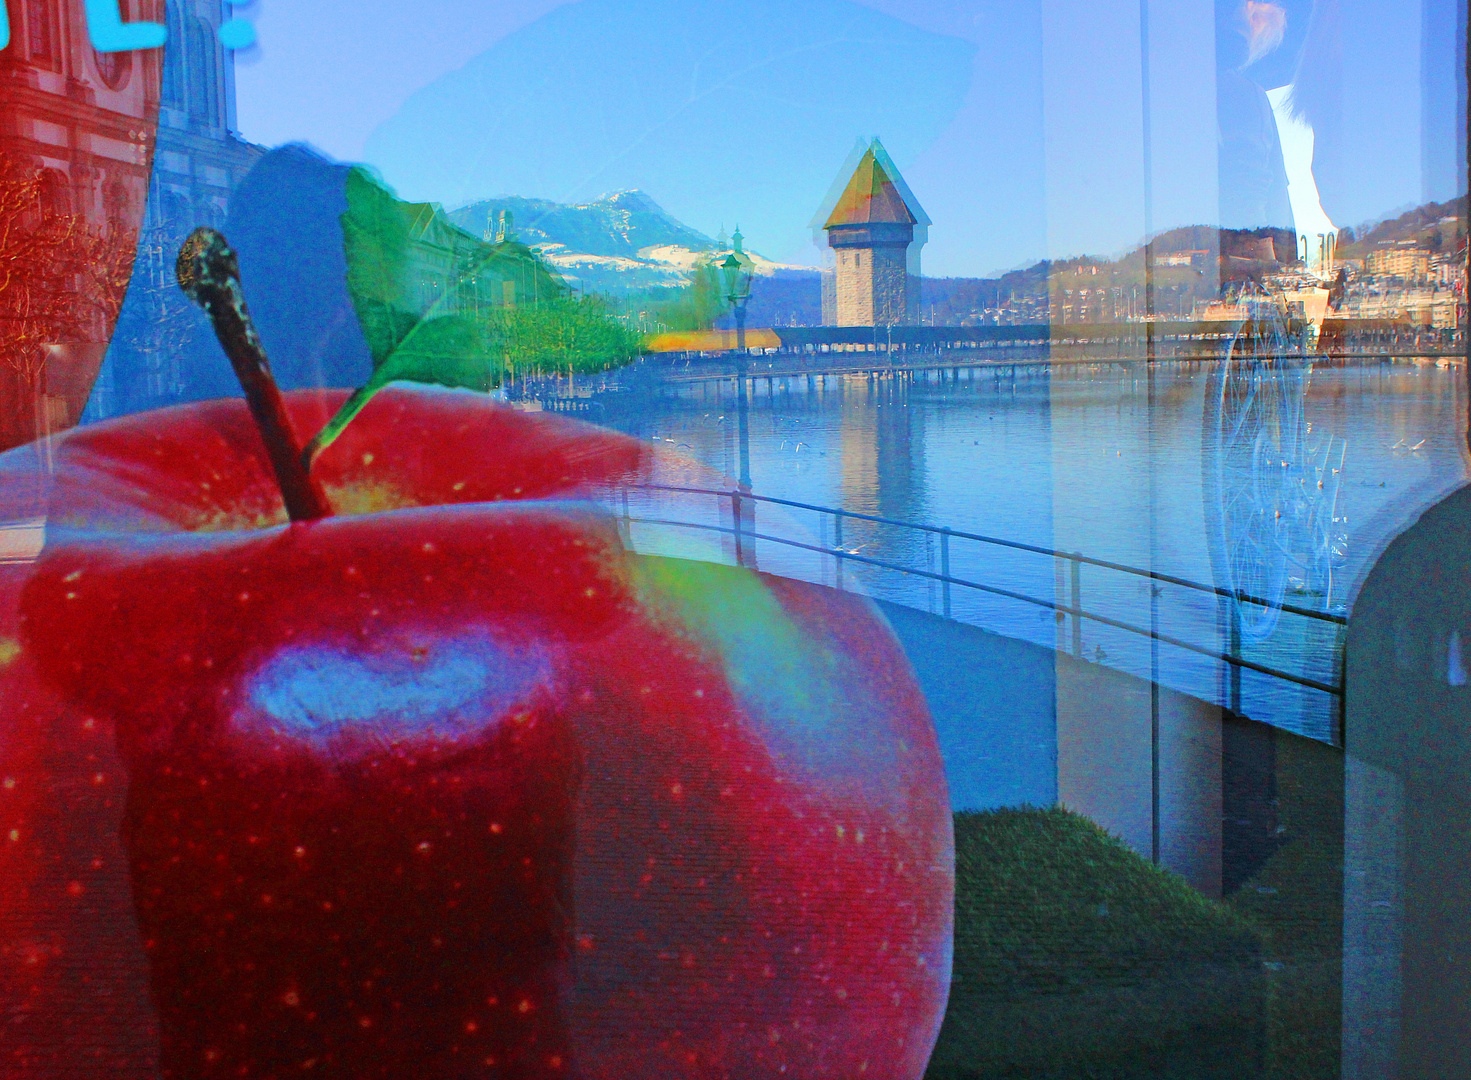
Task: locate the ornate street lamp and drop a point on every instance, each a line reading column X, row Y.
column 737, row 274
column 737, row 291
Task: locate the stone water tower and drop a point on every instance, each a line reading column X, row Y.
column 875, row 234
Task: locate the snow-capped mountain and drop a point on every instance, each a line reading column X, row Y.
column 621, row 243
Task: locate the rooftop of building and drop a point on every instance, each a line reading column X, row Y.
column 871, row 197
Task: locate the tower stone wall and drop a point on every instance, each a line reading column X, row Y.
column 871, row 286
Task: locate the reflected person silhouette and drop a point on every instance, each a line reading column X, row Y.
column 1277, row 107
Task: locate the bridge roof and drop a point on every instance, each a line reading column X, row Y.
column 870, row 197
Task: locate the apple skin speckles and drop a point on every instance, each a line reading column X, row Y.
column 555, row 802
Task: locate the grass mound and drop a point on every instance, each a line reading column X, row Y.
column 1075, row 958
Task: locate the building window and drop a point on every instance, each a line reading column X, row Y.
column 174, row 56
column 114, row 68
column 42, row 32
column 55, row 193
column 118, row 202
column 203, row 67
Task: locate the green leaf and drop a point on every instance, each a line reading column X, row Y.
column 450, row 350
column 375, row 239
column 437, row 306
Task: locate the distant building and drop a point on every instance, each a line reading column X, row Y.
column 732, row 245
column 200, row 159
column 1406, row 263
column 1449, row 269
column 875, row 229
column 1182, row 258
column 198, row 162
column 448, row 269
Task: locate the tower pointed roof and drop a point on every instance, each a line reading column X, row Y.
column 870, row 197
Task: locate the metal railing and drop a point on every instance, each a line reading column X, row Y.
column 744, row 535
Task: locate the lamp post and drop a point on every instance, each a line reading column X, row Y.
column 738, row 291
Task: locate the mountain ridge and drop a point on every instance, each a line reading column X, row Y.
column 623, row 242
column 617, row 225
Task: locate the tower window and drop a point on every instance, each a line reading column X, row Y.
column 858, row 259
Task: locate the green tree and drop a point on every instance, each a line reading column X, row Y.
column 577, row 333
column 694, row 306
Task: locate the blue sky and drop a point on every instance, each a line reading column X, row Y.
column 1017, row 124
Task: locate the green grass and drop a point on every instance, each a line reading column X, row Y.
column 1075, row 958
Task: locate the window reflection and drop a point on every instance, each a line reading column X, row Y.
column 1146, row 484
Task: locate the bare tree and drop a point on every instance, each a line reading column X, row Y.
column 60, row 282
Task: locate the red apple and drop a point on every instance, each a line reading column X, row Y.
column 451, row 783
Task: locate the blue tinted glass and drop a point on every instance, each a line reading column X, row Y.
column 635, row 538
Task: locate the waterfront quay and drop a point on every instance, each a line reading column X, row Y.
column 832, row 350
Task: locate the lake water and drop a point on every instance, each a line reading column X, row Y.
column 1285, row 484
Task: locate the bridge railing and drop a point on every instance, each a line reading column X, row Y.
column 734, row 522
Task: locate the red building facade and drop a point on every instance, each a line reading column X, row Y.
column 77, row 132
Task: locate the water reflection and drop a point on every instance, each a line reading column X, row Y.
column 1059, row 456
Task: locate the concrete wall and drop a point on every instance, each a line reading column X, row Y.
column 1021, row 725
column 1407, row 915
column 994, row 706
column 1105, row 766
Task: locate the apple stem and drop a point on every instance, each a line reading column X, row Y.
column 209, row 274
